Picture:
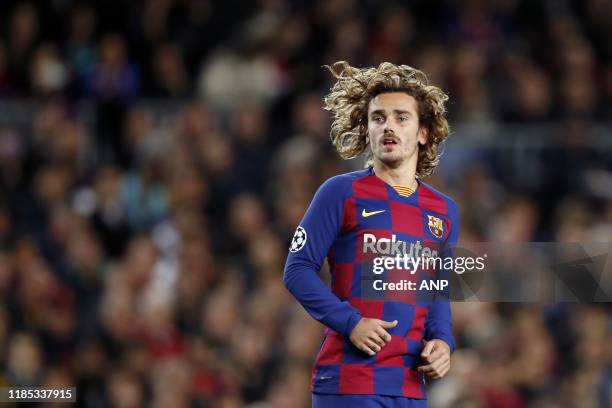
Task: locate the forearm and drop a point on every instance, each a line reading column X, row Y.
column 438, row 324
column 305, row 285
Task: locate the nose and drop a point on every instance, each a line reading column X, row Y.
column 387, row 126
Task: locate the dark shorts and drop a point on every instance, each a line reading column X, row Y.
column 365, row 401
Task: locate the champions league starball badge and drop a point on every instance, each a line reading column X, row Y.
column 299, row 239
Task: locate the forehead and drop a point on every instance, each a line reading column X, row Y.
column 391, row 101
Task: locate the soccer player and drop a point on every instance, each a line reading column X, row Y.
column 378, row 348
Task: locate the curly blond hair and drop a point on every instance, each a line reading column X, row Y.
column 350, row 97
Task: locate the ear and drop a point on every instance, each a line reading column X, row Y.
column 422, row 135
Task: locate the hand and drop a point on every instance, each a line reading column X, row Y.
column 370, row 335
column 436, row 354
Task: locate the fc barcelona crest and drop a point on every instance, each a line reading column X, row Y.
column 436, row 227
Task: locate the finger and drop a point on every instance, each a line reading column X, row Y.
column 427, row 349
column 388, row 325
column 434, row 367
column 428, row 368
column 434, row 355
column 444, row 369
column 437, row 364
column 375, row 337
column 372, row 345
column 380, row 336
column 366, row 349
column 441, row 371
column 383, row 334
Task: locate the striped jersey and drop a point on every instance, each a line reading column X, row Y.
column 354, row 219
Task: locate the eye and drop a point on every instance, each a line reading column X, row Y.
column 378, row 119
column 403, row 118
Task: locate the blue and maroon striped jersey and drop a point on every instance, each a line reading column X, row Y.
column 353, row 218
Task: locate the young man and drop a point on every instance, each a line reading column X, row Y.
column 379, row 345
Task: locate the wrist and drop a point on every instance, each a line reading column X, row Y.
column 352, row 322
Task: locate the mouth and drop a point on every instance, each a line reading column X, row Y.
column 389, row 141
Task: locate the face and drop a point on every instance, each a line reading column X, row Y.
column 393, row 128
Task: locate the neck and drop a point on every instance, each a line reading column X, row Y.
column 404, row 174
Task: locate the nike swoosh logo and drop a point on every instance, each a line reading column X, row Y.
column 366, row 214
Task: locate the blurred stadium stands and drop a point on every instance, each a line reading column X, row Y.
column 156, row 155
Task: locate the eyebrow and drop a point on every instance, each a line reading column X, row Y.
column 395, row 111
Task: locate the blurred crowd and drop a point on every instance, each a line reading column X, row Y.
column 169, row 148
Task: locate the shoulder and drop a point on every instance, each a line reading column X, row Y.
column 432, row 199
column 341, row 185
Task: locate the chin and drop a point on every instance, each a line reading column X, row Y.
column 390, row 160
